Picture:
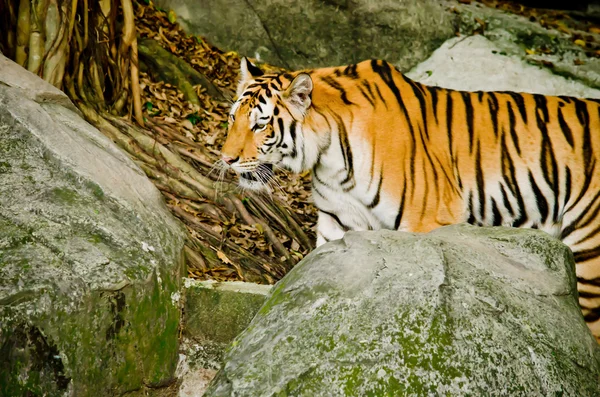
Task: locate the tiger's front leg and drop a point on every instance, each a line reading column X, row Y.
column 328, row 229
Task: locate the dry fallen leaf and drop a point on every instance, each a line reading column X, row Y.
column 200, row 131
column 224, row 258
column 187, row 124
column 295, row 245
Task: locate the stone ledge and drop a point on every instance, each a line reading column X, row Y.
column 219, row 311
column 215, row 313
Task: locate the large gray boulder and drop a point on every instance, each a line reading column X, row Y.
column 306, row 34
column 479, row 63
column 90, row 257
column 458, row 311
column 517, row 36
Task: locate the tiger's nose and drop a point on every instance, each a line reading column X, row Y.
column 230, row 160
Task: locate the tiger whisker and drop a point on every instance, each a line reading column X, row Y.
column 217, row 165
column 220, row 181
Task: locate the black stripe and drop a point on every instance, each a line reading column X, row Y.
column 523, row 218
column 567, row 99
column 380, row 96
column 293, row 135
column 335, row 217
column 262, row 100
column 512, row 125
column 479, row 96
column 590, row 235
column 281, row 131
column 568, row 185
column 274, row 87
column 350, row 71
column 550, row 172
column 586, row 255
column 346, row 149
column 469, row 116
column 366, row 84
column 471, row 219
column 433, row 168
column 575, row 224
column 506, row 201
column 541, row 105
column 401, row 206
column 585, row 187
column 520, row 101
column 425, row 181
column 375, row 200
column 276, row 111
column 367, row 97
column 385, row 72
column 433, row 91
column 372, row 170
column 480, row 183
column 508, row 169
column 318, row 179
column 493, row 108
column 496, row 216
column 334, row 84
column 584, row 118
column 316, row 190
column 509, row 175
column 449, row 114
column 593, row 215
column 542, row 204
column 564, row 127
column 417, row 90
column 254, row 70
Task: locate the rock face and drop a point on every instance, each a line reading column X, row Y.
column 458, row 311
column 219, row 311
column 215, row 313
column 306, row 34
column 90, row 257
column 517, row 36
column 478, row 63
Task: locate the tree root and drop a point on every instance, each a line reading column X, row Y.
column 91, row 50
column 177, row 72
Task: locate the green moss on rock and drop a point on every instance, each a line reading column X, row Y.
column 458, row 311
column 89, row 260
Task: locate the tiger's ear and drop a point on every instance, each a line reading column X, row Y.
column 298, row 92
column 248, row 71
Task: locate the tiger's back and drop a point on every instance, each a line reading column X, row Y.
column 388, row 152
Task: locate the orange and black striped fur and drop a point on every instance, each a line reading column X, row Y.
column 388, row 152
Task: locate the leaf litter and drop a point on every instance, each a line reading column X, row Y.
column 198, row 133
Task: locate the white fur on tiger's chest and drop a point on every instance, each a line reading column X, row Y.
column 342, row 196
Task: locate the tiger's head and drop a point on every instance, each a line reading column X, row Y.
column 265, row 125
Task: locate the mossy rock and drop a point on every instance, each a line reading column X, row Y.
column 90, row 257
column 459, row 311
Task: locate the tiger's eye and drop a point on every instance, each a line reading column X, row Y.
column 259, row 127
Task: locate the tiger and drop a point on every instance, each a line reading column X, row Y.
column 387, row 152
